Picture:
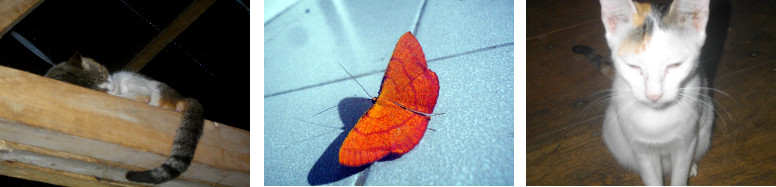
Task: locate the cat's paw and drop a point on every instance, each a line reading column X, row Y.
column 143, row 98
column 693, row 170
column 180, row 106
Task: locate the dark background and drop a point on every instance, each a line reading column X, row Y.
column 211, row 64
column 210, row 61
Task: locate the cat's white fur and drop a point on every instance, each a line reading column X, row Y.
column 132, row 86
column 660, row 115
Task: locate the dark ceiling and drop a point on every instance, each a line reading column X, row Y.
column 208, row 61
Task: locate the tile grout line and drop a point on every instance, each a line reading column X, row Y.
column 321, row 84
column 414, row 28
column 383, row 70
column 472, row 51
column 361, row 179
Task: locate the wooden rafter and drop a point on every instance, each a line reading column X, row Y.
column 57, row 128
column 188, row 16
column 12, row 11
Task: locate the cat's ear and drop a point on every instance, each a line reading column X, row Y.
column 616, row 13
column 76, row 60
column 690, row 14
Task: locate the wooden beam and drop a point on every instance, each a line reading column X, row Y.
column 12, row 11
column 59, row 120
column 188, row 16
column 35, row 163
column 35, row 173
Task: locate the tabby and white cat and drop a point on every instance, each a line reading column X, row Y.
column 600, row 63
column 660, row 115
column 86, row 72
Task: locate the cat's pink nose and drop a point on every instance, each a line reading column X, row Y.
column 654, row 97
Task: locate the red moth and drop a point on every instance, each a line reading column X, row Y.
column 398, row 119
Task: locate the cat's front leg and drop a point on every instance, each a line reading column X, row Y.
column 650, row 168
column 681, row 164
column 137, row 96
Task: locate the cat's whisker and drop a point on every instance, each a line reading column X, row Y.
column 707, row 104
column 713, row 100
column 600, row 100
column 596, row 102
column 606, row 91
column 714, row 90
column 687, row 106
column 683, row 105
column 722, row 106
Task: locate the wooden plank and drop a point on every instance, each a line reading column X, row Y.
column 563, row 117
column 188, row 16
column 13, row 11
column 554, row 16
column 108, row 129
column 551, row 61
column 36, row 163
column 30, row 172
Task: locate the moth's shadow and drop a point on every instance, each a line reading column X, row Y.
column 327, row 169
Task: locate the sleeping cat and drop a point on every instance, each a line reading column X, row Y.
column 86, row 72
column 660, row 115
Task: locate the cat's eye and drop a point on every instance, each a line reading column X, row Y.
column 635, row 67
column 674, row 65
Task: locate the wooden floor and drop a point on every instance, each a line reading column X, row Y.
column 564, row 119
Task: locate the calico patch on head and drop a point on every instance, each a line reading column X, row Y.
column 639, row 37
column 84, row 72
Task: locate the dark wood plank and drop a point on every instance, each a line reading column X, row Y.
column 564, row 145
column 553, row 70
column 550, row 16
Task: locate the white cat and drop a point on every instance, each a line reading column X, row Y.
column 660, row 115
column 140, row 88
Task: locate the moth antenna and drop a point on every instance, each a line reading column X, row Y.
column 324, row 110
column 351, row 76
column 336, row 106
column 415, row 111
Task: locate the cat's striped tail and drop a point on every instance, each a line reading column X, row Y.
column 183, row 148
column 601, row 63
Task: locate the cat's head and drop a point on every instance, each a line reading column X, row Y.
column 84, row 72
column 655, row 47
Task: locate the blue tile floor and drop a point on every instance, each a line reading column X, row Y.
column 470, row 45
